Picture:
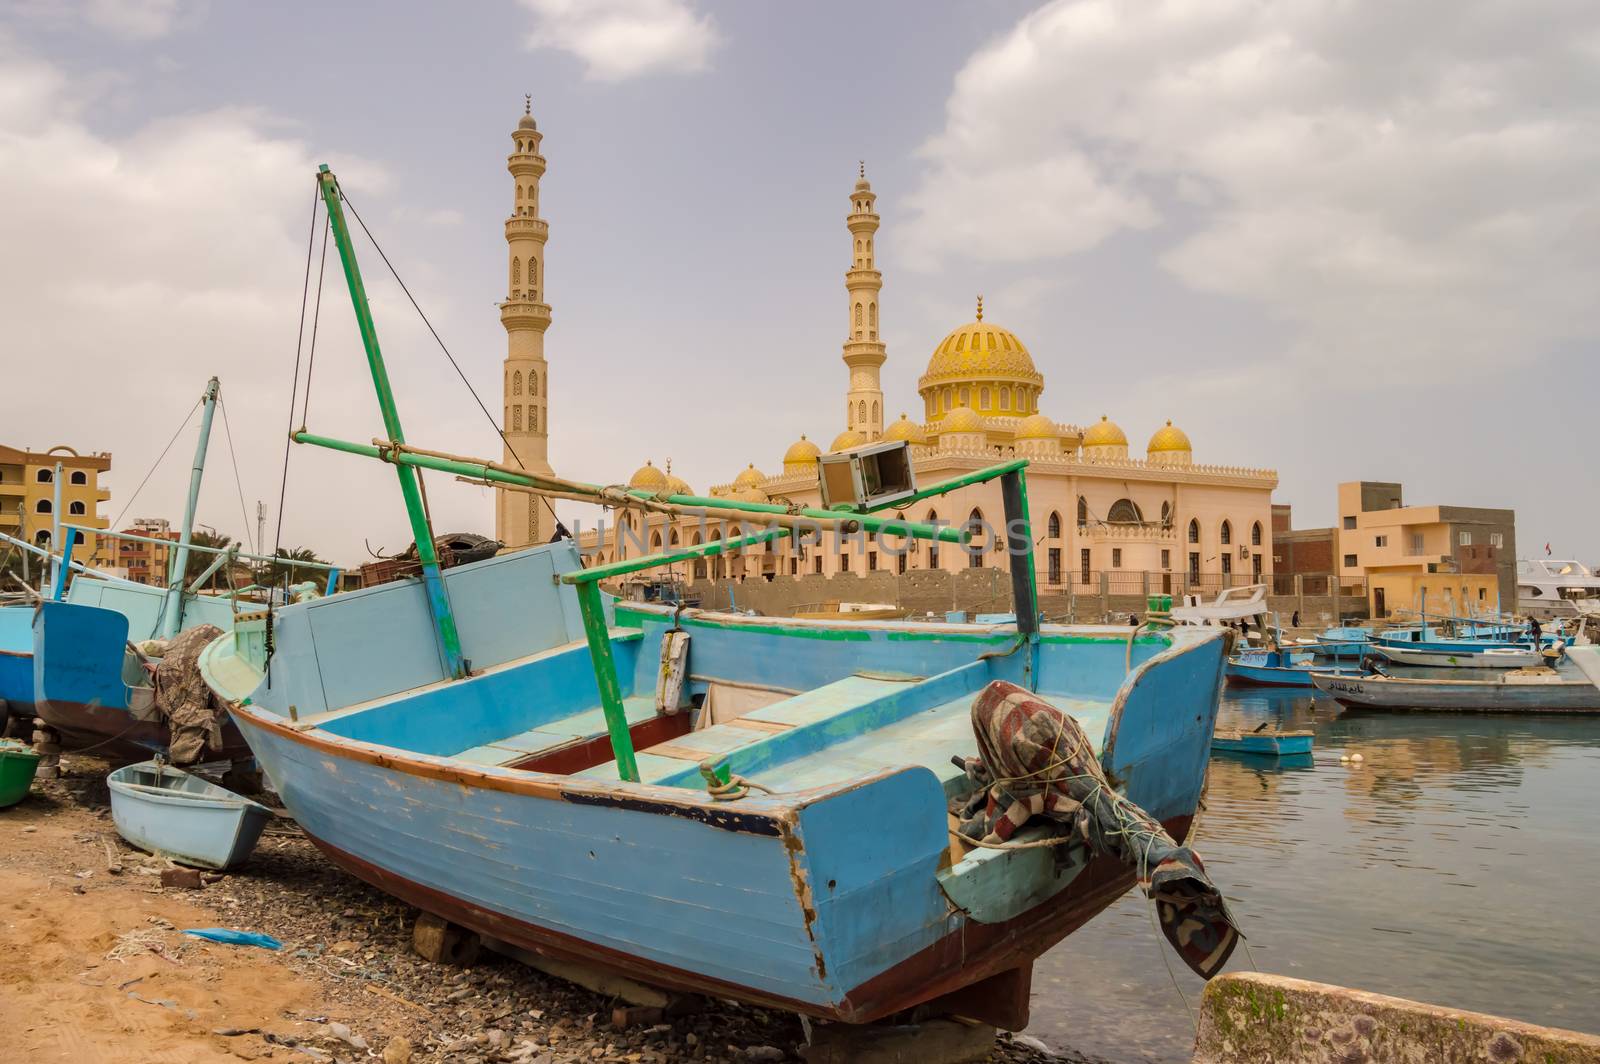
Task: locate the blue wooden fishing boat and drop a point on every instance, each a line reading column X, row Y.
column 167, row 811
column 1279, row 668
column 1264, row 741
column 90, row 681
column 1345, row 641
column 16, row 663
column 755, row 808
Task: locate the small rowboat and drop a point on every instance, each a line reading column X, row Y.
column 1273, row 743
column 168, row 811
column 1278, row 668
column 17, row 765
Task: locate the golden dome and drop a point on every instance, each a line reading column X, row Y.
column 980, row 351
column 801, row 452
column 845, row 440
column 961, row 419
column 676, row 485
column 905, row 429
column 1170, row 438
column 648, row 478
column 750, row 494
column 1037, row 427
column 749, row 478
column 1105, row 433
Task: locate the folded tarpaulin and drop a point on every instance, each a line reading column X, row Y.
column 1035, row 760
column 235, row 938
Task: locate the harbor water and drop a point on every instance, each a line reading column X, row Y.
column 1453, row 864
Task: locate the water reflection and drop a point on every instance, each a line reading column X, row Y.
column 1444, row 866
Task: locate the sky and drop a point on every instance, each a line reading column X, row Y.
column 1351, row 240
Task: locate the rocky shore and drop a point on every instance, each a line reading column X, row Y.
column 347, row 985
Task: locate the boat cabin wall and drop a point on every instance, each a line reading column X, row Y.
column 142, row 606
column 363, row 645
column 78, row 655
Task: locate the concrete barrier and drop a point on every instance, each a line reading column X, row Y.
column 1277, row 1020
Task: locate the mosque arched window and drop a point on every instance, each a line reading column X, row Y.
column 1005, row 341
column 1255, row 534
column 516, row 418
column 983, row 398
column 875, row 417
column 991, row 341
column 533, row 382
column 516, row 383
column 1124, row 512
column 1083, row 511
column 966, row 396
column 1227, row 532
column 858, row 313
column 977, row 526
column 1005, row 397
column 872, row 315
column 947, row 395
column 533, row 419
column 863, row 411
column 933, row 544
column 1053, row 526
column 516, row 271
column 1194, row 531
column 655, row 540
column 673, row 539
column 533, row 272
column 1166, row 515
column 961, row 342
column 519, row 193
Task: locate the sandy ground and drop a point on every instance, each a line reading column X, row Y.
column 94, row 968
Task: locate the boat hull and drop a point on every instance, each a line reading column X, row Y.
column 1483, row 659
column 16, row 662
column 1269, row 744
column 1472, row 696
column 1241, row 674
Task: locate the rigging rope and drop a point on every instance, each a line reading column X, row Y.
column 437, row 339
column 116, row 521
column 294, row 389
column 243, row 512
column 316, row 319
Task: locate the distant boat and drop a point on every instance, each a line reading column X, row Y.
column 849, row 611
column 1343, row 642
column 1488, row 658
column 1549, row 588
column 170, row 812
column 1538, row 690
column 1278, row 668
column 1266, row 741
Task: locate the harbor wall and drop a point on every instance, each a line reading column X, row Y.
column 977, row 591
column 1251, row 1016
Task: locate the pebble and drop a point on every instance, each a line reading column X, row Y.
column 398, row 1051
column 1357, row 757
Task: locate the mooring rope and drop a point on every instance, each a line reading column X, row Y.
column 183, row 425
column 237, row 483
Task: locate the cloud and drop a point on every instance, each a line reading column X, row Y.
column 1409, row 187
column 142, row 20
column 622, row 39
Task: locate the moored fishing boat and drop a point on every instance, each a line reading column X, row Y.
column 756, row 808
column 1279, row 668
column 1568, row 689
column 1488, row 658
column 1265, row 741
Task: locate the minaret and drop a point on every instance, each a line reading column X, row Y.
column 521, row 519
column 863, row 351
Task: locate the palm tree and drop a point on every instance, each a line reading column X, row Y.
column 200, row 560
column 286, row 568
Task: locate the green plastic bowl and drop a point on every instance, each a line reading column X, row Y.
column 17, row 765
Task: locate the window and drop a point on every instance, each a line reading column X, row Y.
column 1005, row 397
column 900, row 562
column 80, row 477
column 1194, row 565
column 516, row 383
column 1166, row 559
column 1349, row 561
column 1227, row 564
column 863, row 411
column 1053, row 526
column 872, row 315
column 43, row 507
column 1166, row 515
column 1380, row 541
column 77, row 539
column 76, row 509
column 1255, row 534
column 874, row 411
column 858, row 313
column 45, row 476
column 1083, row 566
column 1255, row 566
column 533, row 382
column 516, row 418
column 1497, row 539
column 1349, row 522
column 533, row 419
column 872, row 561
column 1465, row 539
column 816, row 564
column 983, row 398
column 966, row 396
column 516, row 271
column 844, row 561
column 1481, row 594
column 1054, row 556
column 1194, row 532
column 1125, row 512
column 1416, row 543
column 1227, row 534
column 1116, row 557
column 933, row 544
column 1083, row 512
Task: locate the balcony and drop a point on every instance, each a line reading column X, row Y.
column 1147, row 532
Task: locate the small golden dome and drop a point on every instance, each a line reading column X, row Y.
column 801, row 452
column 845, row 440
column 749, row 478
column 1105, row 433
column 676, row 485
column 961, row 419
column 905, row 429
column 648, row 478
column 750, row 494
column 1037, row 427
column 1170, row 438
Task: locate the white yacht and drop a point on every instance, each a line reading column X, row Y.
column 1552, row 587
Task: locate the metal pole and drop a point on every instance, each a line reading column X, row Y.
column 172, row 619
column 55, row 527
column 1019, row 545
column 62, row 569
column 605, row 674
column 438, row 601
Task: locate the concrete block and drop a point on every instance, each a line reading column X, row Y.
column 1272, row 1018
column 181, row 878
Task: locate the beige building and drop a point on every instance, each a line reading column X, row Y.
column 28, row 495
column 1155, row 520
column 1444, row 557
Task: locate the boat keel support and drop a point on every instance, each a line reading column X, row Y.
column 438, row 940
column 942, row 1040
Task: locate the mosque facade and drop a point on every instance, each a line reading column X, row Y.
column 1096, row 507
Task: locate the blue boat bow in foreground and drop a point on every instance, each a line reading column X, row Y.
column 493, row 800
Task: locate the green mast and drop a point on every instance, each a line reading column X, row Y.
column 444, row 620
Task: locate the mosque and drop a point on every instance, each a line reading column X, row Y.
column 1094, row 508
